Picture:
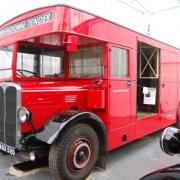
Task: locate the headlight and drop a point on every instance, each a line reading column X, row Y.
column 23, row 115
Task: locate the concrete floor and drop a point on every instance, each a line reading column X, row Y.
column 126, row 163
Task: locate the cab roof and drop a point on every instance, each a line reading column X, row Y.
column 67, row 19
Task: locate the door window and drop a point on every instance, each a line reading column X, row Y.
column 119, row 67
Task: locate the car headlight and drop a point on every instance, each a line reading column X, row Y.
column 23, row 115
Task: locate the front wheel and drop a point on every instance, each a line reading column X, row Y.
column 177, row 125
column 73, row 156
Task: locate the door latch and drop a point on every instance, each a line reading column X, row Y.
column 129, row 83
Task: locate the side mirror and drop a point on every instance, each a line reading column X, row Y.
column 170, row 141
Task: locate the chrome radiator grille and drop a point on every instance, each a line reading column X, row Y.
column 10, row 97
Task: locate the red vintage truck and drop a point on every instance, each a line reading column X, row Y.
column 75, row 86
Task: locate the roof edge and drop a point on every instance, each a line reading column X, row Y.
column 93, row 14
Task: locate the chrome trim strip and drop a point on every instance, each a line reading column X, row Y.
column 54, row 90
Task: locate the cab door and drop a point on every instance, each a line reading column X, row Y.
column 120, row 88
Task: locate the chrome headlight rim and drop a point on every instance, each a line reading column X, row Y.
column 23, row 114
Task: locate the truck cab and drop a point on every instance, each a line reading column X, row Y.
column 53, row 83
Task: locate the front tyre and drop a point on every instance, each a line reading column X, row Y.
column 177, row 125
column 73, row 156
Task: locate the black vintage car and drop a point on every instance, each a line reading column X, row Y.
column 170, row 144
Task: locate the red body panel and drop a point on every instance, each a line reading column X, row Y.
column 45, row 99
column 114, row 102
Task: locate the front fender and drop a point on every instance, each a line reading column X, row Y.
column 55, row 125
column 62, row 120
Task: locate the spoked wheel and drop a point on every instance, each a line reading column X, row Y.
column 74, row 155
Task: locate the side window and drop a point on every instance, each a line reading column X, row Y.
column 119, row 67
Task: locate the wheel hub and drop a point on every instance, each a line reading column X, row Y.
column 81, row 155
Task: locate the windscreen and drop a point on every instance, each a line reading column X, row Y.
column 42, row 62
column 86, row 62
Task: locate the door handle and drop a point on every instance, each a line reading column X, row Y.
column 128, row 83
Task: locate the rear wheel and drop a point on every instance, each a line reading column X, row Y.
column 74, row 155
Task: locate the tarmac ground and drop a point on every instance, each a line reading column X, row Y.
column 126, row 163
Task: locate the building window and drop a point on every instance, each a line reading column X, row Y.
column 119, row 66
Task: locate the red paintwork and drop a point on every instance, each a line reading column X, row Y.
column 117, row 110
column 95, row 94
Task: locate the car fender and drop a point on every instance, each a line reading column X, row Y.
column 172, row 172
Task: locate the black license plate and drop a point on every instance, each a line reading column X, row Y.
column 7, row 148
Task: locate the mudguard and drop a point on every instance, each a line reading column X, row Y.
column 58, row 123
